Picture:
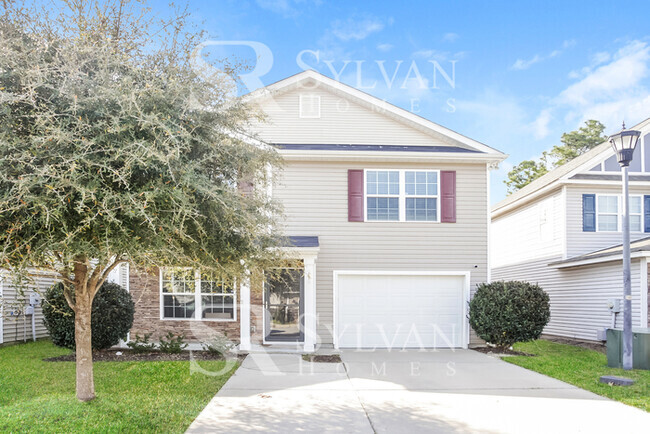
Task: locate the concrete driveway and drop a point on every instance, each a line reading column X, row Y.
column 412, row 391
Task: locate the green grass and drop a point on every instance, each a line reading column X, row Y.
column 39, row 396
column 583, row 368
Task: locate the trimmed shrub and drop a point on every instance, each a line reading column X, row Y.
column 112, row 316
column 142, row 344
column 172, row 344
column 502, row 313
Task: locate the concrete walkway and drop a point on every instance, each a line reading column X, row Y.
column 394, row 392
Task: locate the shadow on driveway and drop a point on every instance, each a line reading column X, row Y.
column 407, row 391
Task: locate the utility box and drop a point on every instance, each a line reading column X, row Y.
column 35, row 299
column 640, row 348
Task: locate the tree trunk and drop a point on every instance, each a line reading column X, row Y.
column 84, row 350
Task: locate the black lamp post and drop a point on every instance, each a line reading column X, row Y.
column 624, row 143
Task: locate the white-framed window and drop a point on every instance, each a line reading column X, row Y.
column 402, row 195
column 421, row 188
column 382, row 195
column 609, row 213
column 187, row 294
column 309, row 106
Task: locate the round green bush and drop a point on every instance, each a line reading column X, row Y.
column 112, row 316
column 502, row 313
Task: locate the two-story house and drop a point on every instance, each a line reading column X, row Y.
column 388, row 217
column 563, row 231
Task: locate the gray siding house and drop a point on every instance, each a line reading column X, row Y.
column 563, row 231
column 387, row 213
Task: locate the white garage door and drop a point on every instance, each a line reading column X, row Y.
column 400, row 311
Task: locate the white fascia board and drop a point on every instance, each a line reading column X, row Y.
column 368, row 99
column 613, row 183
column 600, row 260
column 454, row 157
column 300, row 252
column 556, row 184
column 526, row 199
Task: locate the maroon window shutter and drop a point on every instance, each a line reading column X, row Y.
column 355, row 195
column 448, row 196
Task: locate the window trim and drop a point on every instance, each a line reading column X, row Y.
column 198, row 301
column 619, row 218
column 401, row 196
column 300, row 106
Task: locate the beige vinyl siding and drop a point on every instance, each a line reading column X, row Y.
column 315, row 198
column 531, row 232
column 341, row 122
column 13, row 297
column 579, row 242
column 578, row 295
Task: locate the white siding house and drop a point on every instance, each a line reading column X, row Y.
column 553, row 232
column 372, row 270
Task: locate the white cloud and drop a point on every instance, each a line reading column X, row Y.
column 356, row 28
column 540, row 125
column 629, row 67
column 613, row 87
column 286, row 8
column 596, row 60
column 385, row 47
column 429, row 54
column 521, row 64
column 492, row 113
column 432, row 54
column 450, row 37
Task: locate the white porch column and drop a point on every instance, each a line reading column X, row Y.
column 310, row 303
column 245, row 313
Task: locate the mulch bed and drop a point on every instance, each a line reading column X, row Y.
column 321, row 358
column 496, row 352
column 154, row 356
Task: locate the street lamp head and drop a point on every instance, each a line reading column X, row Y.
column 623, row 144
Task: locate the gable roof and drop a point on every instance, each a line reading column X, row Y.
column 367, row 100
column 555, row 175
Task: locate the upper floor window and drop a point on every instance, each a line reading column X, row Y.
column 610, row 213
column 421, row 196
column 382, row 195
column 607, row 213
column 188, row 294
column 402, row 195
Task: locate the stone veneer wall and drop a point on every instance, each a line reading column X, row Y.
column 145, row 290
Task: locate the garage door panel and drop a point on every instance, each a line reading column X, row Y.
column 378, row 311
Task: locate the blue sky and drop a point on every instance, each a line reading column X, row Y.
column 518, row 74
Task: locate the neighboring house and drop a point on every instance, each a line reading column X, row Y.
column 387, row 213
column 15, row 315
column 563, row 231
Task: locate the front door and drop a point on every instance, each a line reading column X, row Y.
column 284, row 307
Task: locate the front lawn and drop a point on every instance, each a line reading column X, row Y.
column 131, row 396
column 583, row 367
